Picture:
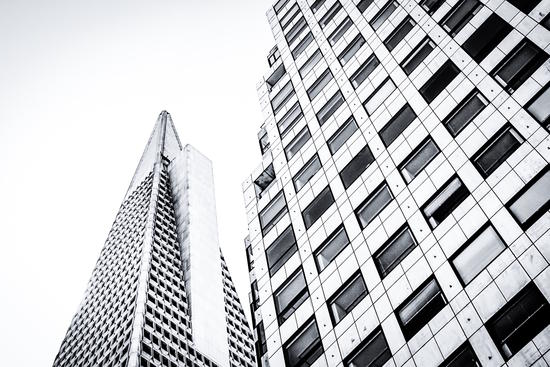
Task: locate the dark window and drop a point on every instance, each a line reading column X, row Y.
column 418, row 159
column 316, row 5
column 296, row 30
column 525, row 6
column 519, row 321
column 351, row 49
column 528, row 205
column 264, row 180
column 340, row 31
column 546, row 22
column 263, row 139
column 279, row 5
column 286, row 92
column 318, row 207
column 270, row 215
column 304, row 347
column 292, row 293
column 478, row 252
column 261, row 344
column 501, row 146
column 431, row 6
column 287, row 122
column 364, row 70
column 356, row 166
column 484, row 40
column 539, row 106
column 396, row 248
column 465, row 112
column 383, row 14
column 307, row 172
column 331, row 247
column 289, row 16
column 399, row 33
column 276, row 76
column 417, row 55
column 302, row 45
column 330, row 107
column 319, row 84
column 297, row 143
column 310, row 63
column 420, row 307
column 347, row 297
column 460, row 15
column 281, row 250
column 463, row 356
column 330, row 14
column 363, row 5
column 444, row 201
column 373, row 205
column 342, row 135
column 255, row 296
column 379, row 96
column 397, row 125
column 439, row 81
column 519, row 65
column 372, row 352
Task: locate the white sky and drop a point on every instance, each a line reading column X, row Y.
column 81, row 85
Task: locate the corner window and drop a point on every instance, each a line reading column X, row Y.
column 519, row 321
column 372, row 352
column 466, row 111
column 330, row 14
column 398, row 123
column 344, row 132
column 339, row 32
column 463, row 356
column 484, row 40
column 301, row 46
column 278, row 102
column 270, row 215
column 417, row 55
column 460, row 15
column 356, row 166
column 420, row 308
column 373, row 205
column 396, row 248
column 304, row 347
column 501, row 146
column 317, row 207
column 290, row 295
column 289, row 120
column 539, row 107
column 281, row 250
column 331, row 247
column 306, row 173
column 351, row 49
column 379, row 96
column 383, row 14
column 363, row 5
column 276, row 76
column 418, row 159
column 444, row 201
column 439, row 81
column 532, row 201
column 310, row 63
column 431, row 6
column 364, row 71
column 399, row 33
column 347, row 297
column 297, row 143
column 330, row 107
column 319, row 84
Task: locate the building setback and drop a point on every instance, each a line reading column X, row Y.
column 400, row 216
column 161, row 293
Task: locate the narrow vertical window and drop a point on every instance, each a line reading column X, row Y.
column 316, row 5
column 330, row 107
column 270, row 215
column 281, row 250
column 319, row 84
column 302, row 45
column 351, row 49
column 289, row 120
column 292, row 293
column 306, row 173
column 304, row 347
column 310, row 63
column 297, row 143
column 296, row 30
column 379, row 96
column 339, row 32
column 286, row 92
column 330, row 14
column 372, row 352
column 463, row 356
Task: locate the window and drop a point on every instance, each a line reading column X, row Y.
column 546, row 22
column 264, row 180
column 444, row 201
column 383, row 14
column 302, row 45
column 519, row 65
column 364, row 71
column 290, row 295
column 397, row 125
column 379, row 96
column 319, row 84
column 418, row 159
column 460, row 15
column 372, row 352
column 287, row 122
column 417, row 55
column 270, row 215
column 279, row 6
column 318, row 207
column 396, row 248
column 539, row 107
column 276, row 76
column 399, row 33
column 363, row 5
column 347, row 297
column 296, row 30
column 501, row 146
column 280, row 99
column 340, row 31
column 351, row 49
column 310, row 63
column 330, row 107
column 289, row 16
column 525, row 6
column 342, row 135
column 532, row 201
column 489, row 34
column 431, row 6
column 297, row 143
column 421, row 306
column 331, row 247
column 463, row 356
column 373, row 205
column 478, row 252
column 304, row 347
column 519, row 321
column 316, row 5
column 263, row 139
column 273, row 56
column 356, row 166
column 261, row 344
column 281, row 250
column 307, row 172
column 439, row 81
column 330, row 14
column 465, row 112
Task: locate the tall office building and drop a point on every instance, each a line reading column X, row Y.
column 400, row 216
column 161, row 293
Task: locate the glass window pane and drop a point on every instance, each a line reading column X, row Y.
column 356, row 166
column 302, row 45
column 347, row 298
column 372, row 352
column 318, row 207
column 533, row 202
column 329, row 15
column 319, row 84
column 272, row 212
column 501, row 146
column 289, row 16
column 316, row 5
column 399, row 33
column 383, row 14
column 419, row 159
column 460, row 15
column 397, row 125
column 364, row 71
column 281, row 250
column 330, row 107
column 439, row 81
column 340, row 31
column 332, row 246
column 442, row 204
column 431, row 6
column 464, row 356
column 284, row 95
column 351, row 49
column 307, row 172
column 394, row 250
column 373, row 205
column 363, row 5
column 290, row 296
column 297, row 143
column 304, row 347
column 484, row 40
column 341, row 135
column 279, row 5
column 420, row 52
column 539, row 106
column 465, row 112
column 296, row 30
column 290, row 119
column 310, row 63
column 379, row 96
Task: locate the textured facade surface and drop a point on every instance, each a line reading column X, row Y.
column 161, row 293
column 400, row 216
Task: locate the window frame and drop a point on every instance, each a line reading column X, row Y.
column 381, row 12
column 454, row 112
column 326, row 191
column 332, row 104
column 312, row 349
column 438, row 192
column 295, row 140
column 297, row 298
column 366, row 151
column 339, row 131
column 450, row 361
column 308, row 164
column 401, row 166
column 545, row 89
column 392, row 120
column 415, row 51
column 340, row 291
column 387, row 244
column 391, row 38
column 292, row 249
column 465, row 20
column 432, row 10
column 364, row 344
column 368, row 199
column 432, row 88
column 276, row 217
column 357, row 40
column 326, row 243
